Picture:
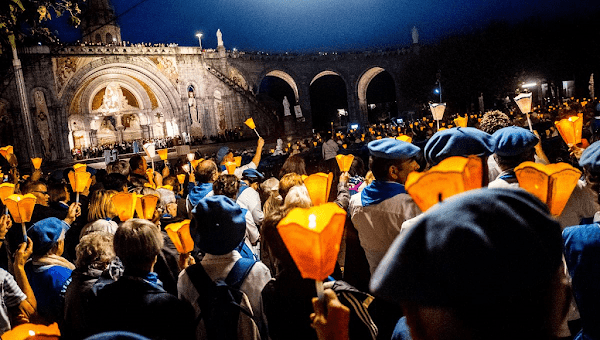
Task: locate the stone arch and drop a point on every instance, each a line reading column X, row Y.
column 285, row 77
column 362, row 85
column 109, row 38
column 325, row 73
column 238, row 78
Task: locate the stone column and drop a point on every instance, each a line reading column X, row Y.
column 93, row 137
column 119, row 127
column 26, row 114
column 355, row 112
column 304, row 102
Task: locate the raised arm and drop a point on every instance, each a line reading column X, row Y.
column 258, row 154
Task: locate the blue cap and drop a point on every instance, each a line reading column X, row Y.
column 45, row 233
column 513, row 140
column 91, row 170
column 218, row 225
column 222, row 153
column 252, row 175
column 391, row 148
column 590, row 158
column 459, row 141
column 117, row 335
column 482, row 246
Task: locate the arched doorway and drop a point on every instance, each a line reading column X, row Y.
column 274, row 89
column 381, row 98
column 328, row 101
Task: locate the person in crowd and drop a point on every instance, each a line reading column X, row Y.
column 225, row 155
column 268, row 188
column 330, row 148
column 136, row 302
column 294, row 164
column 119, row 166
column 94, row 255
column 18, row 300
column 491, row 122
column 248, row 196
column 513, row 146
column 206, row 173
column 49, row 272
column 137, row 171
column 101, row 213
column 117, row 182
column 218, row 227
column 486, row 264
column 59, row 198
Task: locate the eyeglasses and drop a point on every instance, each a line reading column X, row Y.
column 42, row 192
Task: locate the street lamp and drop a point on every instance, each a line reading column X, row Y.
column 199, row 35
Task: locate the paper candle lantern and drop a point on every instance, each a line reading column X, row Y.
column 404, row 138
column 33, row 331
column 230, row 166
column 179, row 233
column 6, row 189
column 344, row 146
column 250, row 123
column 570, row 129
column 125, row 204
column 523, row 101
column 195, row 163
column 451, row 176
column 181, row 178
column 191, row 156
column 163, row 154
column 186, row 168
column 315, row 144
column 79, row 180
column 37, row 162
column 6, row 151
column 312, row 237
column 145, row 206
column 168, row 187
column 344, row 162
column 20, row 207
column 461, row 121
column 318, row 186
column 150, row 149
column 238, row 160
column 79, row 167
column 552, row 183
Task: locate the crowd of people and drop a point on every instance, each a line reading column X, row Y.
column 487, row 263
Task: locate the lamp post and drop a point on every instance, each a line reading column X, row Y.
column 199, row 35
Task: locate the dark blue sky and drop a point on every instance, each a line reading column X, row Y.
column 321, row 25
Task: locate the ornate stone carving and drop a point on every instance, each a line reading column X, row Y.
column 65, row 68
column 168, row 66
column 43, row 124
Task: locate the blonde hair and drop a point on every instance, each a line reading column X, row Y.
column 101, row 205
column 95, row 250
column 297, row 197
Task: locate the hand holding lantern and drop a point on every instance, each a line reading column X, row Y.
column 179, row 233
column 21, row 208
column 250, row 123
column 344, row 162
column 79, row 179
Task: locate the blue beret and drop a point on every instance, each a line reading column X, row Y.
column 391, row 148
column 459, row 141
column 45, row 233
column 91, row 170
column 590, row 158
column 117, row 335
column 252, row 174
column 222, row 153
column 513, row 141
column 482, row 246
column 218, row 225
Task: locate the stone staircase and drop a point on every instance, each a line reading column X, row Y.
column 266, row 120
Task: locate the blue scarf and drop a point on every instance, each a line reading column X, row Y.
column 198, row 192
column 379, row 191
column 243, row 186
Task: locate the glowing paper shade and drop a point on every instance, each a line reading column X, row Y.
column 6, row 189
column 181, row 178
column 37, row 162
column 6, row 151
column 163, row 154
column 345, row 146
column 150, row 175
column 168, row 187
column 344, row 162
column 179, row 233
column 312, row 237
column 437, row 110
column 523, row 100
column 20, row 207
column 404, row 138
column 79, row 180
column 190, row 156
column 570, row 129
column 125, row 204
column 238, row 160
column 195, row 162
column 318, row 186
column 145, row 206
column 552, row 183
column 451, row 176
column 461, row 121
column 150, row 149
column 250, row 123
column 315, row 143
column 230, row 166
column 79, row 167
column 33, row 331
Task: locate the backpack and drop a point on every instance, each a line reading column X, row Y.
column 221, row 302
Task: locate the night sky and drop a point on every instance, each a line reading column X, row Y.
column 321, row 25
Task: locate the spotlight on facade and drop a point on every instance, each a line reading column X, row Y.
column 528, row 85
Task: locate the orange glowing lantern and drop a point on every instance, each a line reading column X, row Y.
column 33, row 331
column 195, row 162
column 451, row 176
column 163, row 154
column 181, row 178
column 238, row 160
column 552, row 183
column 312, row 237
column 6, row 151
column 250, row 123
column 6, row 189
column 570, row 129
column 230, row 166
column 21, row 207
column 315, row 144
column 145, row 206
column 79, row 180
column 37, row 163
column 430, row 125
column 319, row 186
column 125, row 204
column 179, row 233
column 461, row 121
column 168, row 187
column 378, row 137
column 79, row 167
column 344, row 162
column 404, row 138
column 344, row 146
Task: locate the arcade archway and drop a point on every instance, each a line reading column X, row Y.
column 328, row 101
